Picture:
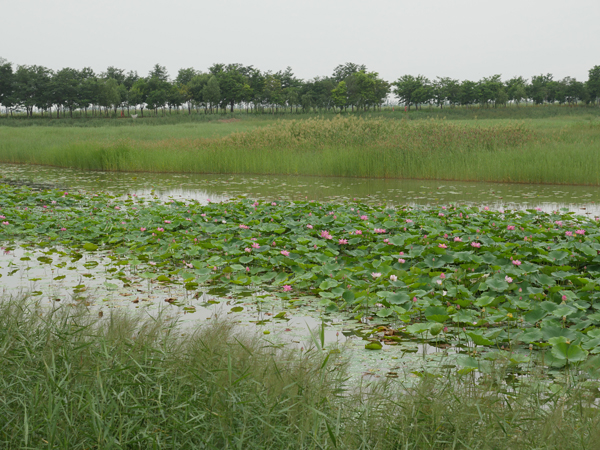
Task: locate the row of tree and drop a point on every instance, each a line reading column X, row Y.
column 350, row 87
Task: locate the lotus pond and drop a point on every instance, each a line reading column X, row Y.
column 463, row 287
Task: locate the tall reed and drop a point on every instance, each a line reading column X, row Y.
column 69, row 380
column 342, row 146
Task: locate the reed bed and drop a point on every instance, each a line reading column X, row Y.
column 70, row 380
column 342, row 146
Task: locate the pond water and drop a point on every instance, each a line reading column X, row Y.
column 581, row 199
column 94, row 284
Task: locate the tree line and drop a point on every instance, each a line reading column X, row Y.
column 234, row 86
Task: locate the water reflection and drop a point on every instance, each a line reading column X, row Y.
column 581, row 199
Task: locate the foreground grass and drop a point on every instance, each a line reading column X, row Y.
column 550, row 150
column 68, row 380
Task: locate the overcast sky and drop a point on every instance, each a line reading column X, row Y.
column 464, row 39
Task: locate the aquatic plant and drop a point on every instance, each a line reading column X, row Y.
column 468, row 271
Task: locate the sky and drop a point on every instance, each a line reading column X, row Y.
column 462, row 39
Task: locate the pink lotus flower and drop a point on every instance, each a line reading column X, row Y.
column 409, row 221
column 358, row 232
column 247, row 269
column 309, row 226
column 63, row 229
column 325, row 234
column 116, row 207
column 401, row 261
column 54, row 202
column 6, row 223
column 287, row 288
column 375, row 274
column 415, row 299
column 401, row 253
column 255, row 245
column 568, row 233
column 442, row 275
column 142, row 229
column 363, row 217
column 2, row 217
column 564, row 298
column 457, row 239
column 152, row 263
column 510, row 227
column 273, row 204
column 379, row 230
column 442, row 246
column 581, row 232
column 167, row 221
column 441, row 214
column 475, row 244
column 191, row 266
column 508, row 279
column 342, row 241
column 485, row 208
column 160, row 229
column 285, row 253
column 202, row 215
column 516, row 262
column 247, row 250
column 244, row 227
column 393, row 278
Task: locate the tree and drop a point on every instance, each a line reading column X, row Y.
column 174, row 97
column 183, row 81
column 348, row 73
column 370, row 89
column 65, row 89
column 31, row 87
column 138, row 94
column 196, row 87
column 593, row 84
column 489, row 89
column 441, row 91
column 539, row 88
column 212, row 92
column 340, row 95
column 109, row 94
column 273, row 91
column 114, row 73
column 87, row 89
column 344, row 71
column 6, row 84
column 290, row 86
column 452, row 91
column 468, row 93
column 516, row 89
column 231, row 79
column 159, row 72
column 412, row 90
column 158, row 88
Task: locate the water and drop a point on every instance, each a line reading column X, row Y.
column 581, row 199
column 67, row 282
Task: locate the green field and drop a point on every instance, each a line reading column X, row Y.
column 545, row 145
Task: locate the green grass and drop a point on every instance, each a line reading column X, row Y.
column 69, row 380
column 561, row 149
